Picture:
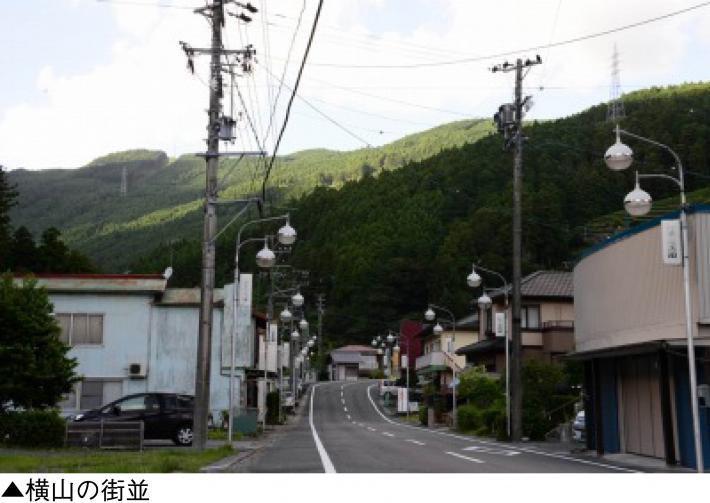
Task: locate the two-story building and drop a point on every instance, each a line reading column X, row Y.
column 631, row 334
column 347, row 363
column 130, row 333
column 547, row 322
column 439, row 361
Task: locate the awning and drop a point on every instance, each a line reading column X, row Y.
column 486, row 346
column 634, row 349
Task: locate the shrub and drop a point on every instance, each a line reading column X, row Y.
column 479, row 389
column 470, row 417
column 543, row 406
column 377, row 374
column 424, row 415
column 32, row 428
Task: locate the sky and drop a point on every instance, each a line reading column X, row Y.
column 83, row 78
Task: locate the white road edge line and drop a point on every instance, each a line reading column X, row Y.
column 523, row 449
column 415, row 441
column 467, row 458
column 324, row 458
column 386, row 433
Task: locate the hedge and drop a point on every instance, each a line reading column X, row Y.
column 32, row 428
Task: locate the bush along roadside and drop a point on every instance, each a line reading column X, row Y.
column 32, row 428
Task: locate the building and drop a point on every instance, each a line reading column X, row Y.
column 132, row 334
column 547, row 322
column 439, row 361
column 630, row 334
column 347, row 363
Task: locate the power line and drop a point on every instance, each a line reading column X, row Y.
column 147, row 4
column 523, row 50
column 293, row 95
column 392, row 100
column 327, row 117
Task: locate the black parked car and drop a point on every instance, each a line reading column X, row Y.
column 164, row 415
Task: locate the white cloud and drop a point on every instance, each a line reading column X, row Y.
column 145, row 98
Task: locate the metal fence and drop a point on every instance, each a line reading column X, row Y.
column 105, row 434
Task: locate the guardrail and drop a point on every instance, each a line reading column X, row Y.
column 105, row 434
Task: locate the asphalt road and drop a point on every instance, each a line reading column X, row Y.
column 342, row 430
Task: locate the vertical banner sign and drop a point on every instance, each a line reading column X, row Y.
column 405, row 362
column 245, row 332
column 402, row 399
column 500, row 324
column 670, row 241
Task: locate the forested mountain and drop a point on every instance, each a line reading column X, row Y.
column 163, row 200
column 382, row 247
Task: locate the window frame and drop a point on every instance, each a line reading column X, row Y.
column 525, row 317
column 87, row 318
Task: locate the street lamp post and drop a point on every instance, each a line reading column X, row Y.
column 474, row 281
column 266, row 259
column 619, row 157
column 430, row 314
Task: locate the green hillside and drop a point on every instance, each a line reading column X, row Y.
column 163, row 202
column 382, row 247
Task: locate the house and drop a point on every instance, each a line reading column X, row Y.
column 547, row 322
column 439, row 361
column 350, row 362
column 631, row 335
column 130, row 333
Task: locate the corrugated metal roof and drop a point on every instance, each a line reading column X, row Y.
column 544, row 284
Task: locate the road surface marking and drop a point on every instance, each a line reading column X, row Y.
column 324, row 458
column 343, row 400
column 371, row 428
column 490, row 450
column 388, row 434
column 415, row 441
column 467, row 458
column 349, row 418
column 523, row 449
column 345, row 408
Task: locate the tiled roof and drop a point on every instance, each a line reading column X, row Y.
column 544, row 284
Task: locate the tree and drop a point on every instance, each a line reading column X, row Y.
column 8, row 196
column 23, row 251
column 35, row 369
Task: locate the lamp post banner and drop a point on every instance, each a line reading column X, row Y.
column 500, row 324
column 671, row 242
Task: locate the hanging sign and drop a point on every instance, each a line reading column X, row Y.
column 670, row 241
column 500, row 324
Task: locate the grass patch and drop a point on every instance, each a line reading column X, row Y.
column 161, row 460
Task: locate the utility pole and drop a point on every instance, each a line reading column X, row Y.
column 509, row 120
column 218, row 128
column 321, row 310
column 204, row 341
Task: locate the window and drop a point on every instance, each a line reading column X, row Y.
column 530, row 317
column 135, row 403
column 92, row 394
column 81, row 328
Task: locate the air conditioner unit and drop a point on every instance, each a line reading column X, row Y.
column 136, row 371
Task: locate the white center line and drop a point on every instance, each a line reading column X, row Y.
column 387, row 434
column 467, row 458
column 371, row 428
column 343, row 400
column 415, row 441
column 349, row 418
column 345, row 408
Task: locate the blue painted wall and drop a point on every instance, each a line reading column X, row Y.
column 685, row 422
column 610, row 405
